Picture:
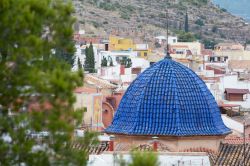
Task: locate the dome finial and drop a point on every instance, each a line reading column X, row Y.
column 167, row 49
column 168, row 56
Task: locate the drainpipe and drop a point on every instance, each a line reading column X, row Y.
column 111, row 143
column 155, row 143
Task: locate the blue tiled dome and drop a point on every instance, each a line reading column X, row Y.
column 168, row 99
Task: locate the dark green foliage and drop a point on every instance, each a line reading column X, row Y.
column 214, row 29
column 223, row 10
column 126, row 62
column 125, row 15
column 199, row 22
column 144, row 159
column 104, row 62
column 96, row 24
column 89, row 59
column 196, row 2
column 79, row 64
column 186, row 27
column 185, row 37
column 209, row 44
column 139, row 159
column 107, row 6
column 110, row 61
column 37, row 84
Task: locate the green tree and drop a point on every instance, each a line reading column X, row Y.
column 110, row 61
column 36, row 87
column 126, row 62
column 185, row 37
column 214, row 29
column 186, row 28
column 89, row 59
column 104, row 62
column 79, row 64
column 209, row 44
column 144, row 159
column 199, row 22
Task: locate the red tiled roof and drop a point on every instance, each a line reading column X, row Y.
column 236, row 141
column 236, row 91
column 92, row 149
column 84, row 90
column 228, row 105
column 233, row 155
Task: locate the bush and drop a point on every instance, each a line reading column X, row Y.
column 199, row 22
column 144, row 159
column 125, row 16
column 185, row 37
column 223, row 10
column 140, row 159
column 214, row 29
column 107, row 6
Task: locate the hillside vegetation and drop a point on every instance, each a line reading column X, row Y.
column 146, row 19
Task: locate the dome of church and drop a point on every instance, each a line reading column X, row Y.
column 168, row 99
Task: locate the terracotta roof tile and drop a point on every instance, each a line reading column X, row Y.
column 236, row 91
column 84, row 90
column 233, row 155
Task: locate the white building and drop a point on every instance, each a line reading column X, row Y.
column 118, row 72
column 171, row 159
column 217, row 88
column 163, row 39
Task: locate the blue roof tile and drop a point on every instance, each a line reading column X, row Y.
column 168, row 99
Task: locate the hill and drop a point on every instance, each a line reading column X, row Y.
column 146, row 19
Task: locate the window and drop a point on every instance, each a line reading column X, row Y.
column 212, row 59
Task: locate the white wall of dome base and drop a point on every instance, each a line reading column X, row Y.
column 170, row 144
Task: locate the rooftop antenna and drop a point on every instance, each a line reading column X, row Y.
column 167, row 49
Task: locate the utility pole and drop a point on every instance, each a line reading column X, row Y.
column 167, row 28
column 244, row 142
column 167, row 49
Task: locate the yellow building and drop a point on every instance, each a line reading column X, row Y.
column 125, row 44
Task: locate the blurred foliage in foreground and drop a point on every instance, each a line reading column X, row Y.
column 140, row 159
column 36, row 87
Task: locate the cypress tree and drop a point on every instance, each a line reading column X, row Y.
column 86, row 62
column 186, row 23
column 111, row 62
column 91, row 59
column 104, row 62
column 79, row 64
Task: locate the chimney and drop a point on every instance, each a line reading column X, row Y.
column 111, row 143
column 155, row 143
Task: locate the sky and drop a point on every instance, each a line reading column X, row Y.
column 237, row 7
